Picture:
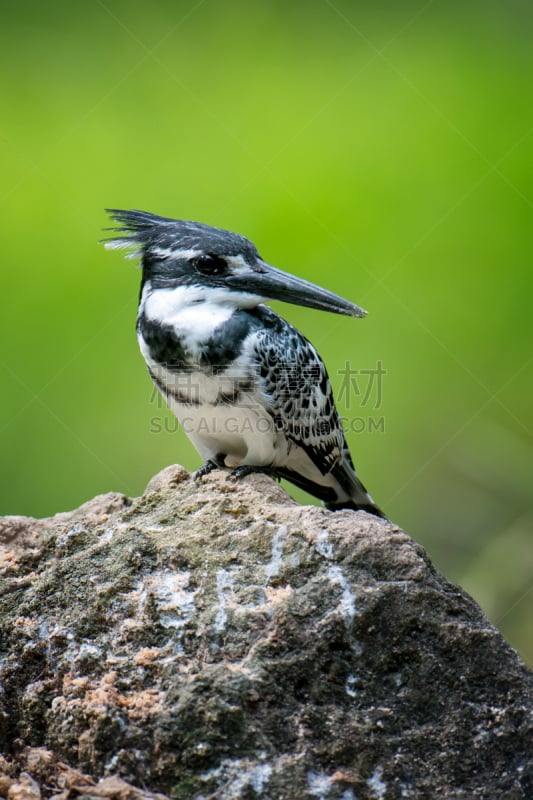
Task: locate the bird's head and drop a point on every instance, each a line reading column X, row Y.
column 217, row 264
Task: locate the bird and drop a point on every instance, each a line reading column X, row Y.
column 249, row 390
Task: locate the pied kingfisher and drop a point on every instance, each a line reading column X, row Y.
column 250, row 391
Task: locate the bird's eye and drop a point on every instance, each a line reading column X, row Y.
column 208, row 264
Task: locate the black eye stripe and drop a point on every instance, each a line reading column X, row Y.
column 208, row 264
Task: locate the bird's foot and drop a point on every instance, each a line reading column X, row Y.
column 247, row 469
column 206, row 468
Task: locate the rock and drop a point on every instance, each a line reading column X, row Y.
column 216, row 640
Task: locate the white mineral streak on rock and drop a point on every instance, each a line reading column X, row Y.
column 323, row 545
column 351, row 681
column 239, row 775
column 376, row 785
column 173, row 599
column 278, row 540
column 107, row 535
column 256, row 777
column 319, row 784
column 347, row 602
column 224, row 586
column 294, row 560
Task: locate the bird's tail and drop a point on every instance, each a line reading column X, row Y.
column 354, row 495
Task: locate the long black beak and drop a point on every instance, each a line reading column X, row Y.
column 274, row 284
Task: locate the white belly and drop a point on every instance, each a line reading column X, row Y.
column 247, row 435
column 244, row 432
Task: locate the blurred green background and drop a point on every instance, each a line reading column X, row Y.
column 383, row 150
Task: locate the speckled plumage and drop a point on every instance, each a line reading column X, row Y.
column 250, row 391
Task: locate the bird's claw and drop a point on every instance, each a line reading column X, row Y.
column 205, row 469
column 247, row 469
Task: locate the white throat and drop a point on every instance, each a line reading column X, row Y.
column 193, row 311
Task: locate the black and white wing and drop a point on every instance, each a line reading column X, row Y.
column 299, row 398
column 298, row 393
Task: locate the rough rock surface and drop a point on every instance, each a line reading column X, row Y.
column 216, row 640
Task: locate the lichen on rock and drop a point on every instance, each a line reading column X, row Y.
column 215, row 640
